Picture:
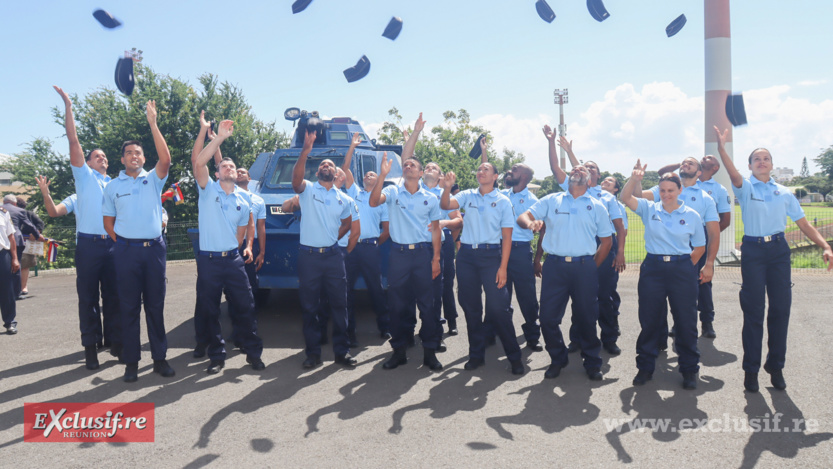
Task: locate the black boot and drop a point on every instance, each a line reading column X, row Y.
column 398, row 358
column 91, row 357
column 430, row 360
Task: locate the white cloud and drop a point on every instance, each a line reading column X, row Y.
column 812, row 82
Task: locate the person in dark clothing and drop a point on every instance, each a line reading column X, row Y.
column 28, row 260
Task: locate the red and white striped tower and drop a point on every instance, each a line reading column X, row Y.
column 718, row 66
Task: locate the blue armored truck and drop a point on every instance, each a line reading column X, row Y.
column 271, row 176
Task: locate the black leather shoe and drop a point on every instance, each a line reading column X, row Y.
column 612, row 348
column 594, row 374
column 162, row 367
column 430, row 360
column 199, row 350
column 573, row 347
column 673, row 331
column 115, row 350
column 385, row 335
column 708, row 330
column 642, row 377
column 491, row 341
column 690, row 380
column 257, row 363
column 534, row 346
column 346, row 360
column 474, row 363
column 553, row 371
column 398, row 358
column 452, row 327
column 91, row 357
column 662, row 346
column 131, row 373
column 441, row 348
column 215, row 366
column 777, row 378
column 750, row 382
column 312, row 361
column 517, row 367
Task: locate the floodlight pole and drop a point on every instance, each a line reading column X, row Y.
column 561, row 98
column 718, row 86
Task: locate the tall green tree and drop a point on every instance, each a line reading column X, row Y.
column 805, row 171
column 825, row 161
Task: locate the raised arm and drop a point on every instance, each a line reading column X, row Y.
column 199, row 143
column 357, row 139
column 76, row 153
column 291, row 204
column 484, row 150
column 51, row 209
column 567, row 145
column 635, row 180
column 410, row 143
column 734, row 175
column 445, row 200
column 298, row 183
column 162, row 150
column 200, row 168
column 669, row 168
column 376, row 197
column 559, row 173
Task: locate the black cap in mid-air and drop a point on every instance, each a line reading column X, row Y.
column 300, row 5
column 106, row 19
column 544, row 11
column 475, row 150
column 393, row 28
column 358, row 71
column 735, row 110
column 597, row 10
column 675, row 26
column 124, row 75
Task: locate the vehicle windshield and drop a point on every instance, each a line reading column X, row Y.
column 283, row 170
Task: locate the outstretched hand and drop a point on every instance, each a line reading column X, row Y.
column 567, row 145
column 639, row 171
column 309, row 139
column 385, row 166
column 43, row 183
column 64, row 96
column 549, row 133
column 357, row 139
column 448, row 180
column 151, row 112
column 204, row 123
column 225, row 129
column 420, row 124
column 721, row 137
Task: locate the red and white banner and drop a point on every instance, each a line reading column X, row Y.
column 77, row 422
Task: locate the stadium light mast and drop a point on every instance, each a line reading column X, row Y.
column 561, row 99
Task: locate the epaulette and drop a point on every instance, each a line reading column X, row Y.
column 3, row 210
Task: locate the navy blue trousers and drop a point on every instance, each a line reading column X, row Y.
column 254, row 285
column 608, row 298
column 449, row 303
column 410, row 287
column 675, row 281
column 16, row 279
column 476, row 273
column 365, row 260
column 317, row 272
column 214, row 275
column 521, row 278
column 577, row 281
column 705, row 304
column 765, row 269
column 8, row 305
column 140, row 273
column 96, row 275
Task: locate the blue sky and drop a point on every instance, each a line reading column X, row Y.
column 633, row 91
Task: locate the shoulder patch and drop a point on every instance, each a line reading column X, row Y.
column 3, row 210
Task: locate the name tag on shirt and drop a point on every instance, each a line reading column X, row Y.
column 135, row 191
column 767, row 198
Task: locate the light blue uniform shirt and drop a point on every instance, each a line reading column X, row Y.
column 354, row 214
column 371, row 217
column 438, row 192
column 696, row 199
column 572, row 224
column 624, row 215
column 521, row 201
column 322, row 211
column 487, row 215
column 718, row 193
column 89, row 188
column 70, row 202
column 766, row 206
column 220, row 214
column 410, row 214
column 611, row 204
column 136, row 204
column 670, row 234
column 258, row 207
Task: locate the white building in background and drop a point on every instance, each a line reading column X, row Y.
column 782, row 175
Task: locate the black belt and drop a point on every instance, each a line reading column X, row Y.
column 410, row 247
column 373, row 241
column 480, row 246
column 91, row 236
column 313, row 250
column 571, row 259
column 763, row 239
column 520, row 243
column 212, row 254
column 663, row 258
column 144, row 243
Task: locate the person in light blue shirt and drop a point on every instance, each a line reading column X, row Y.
column 765, row 261
column 326, row 218
column 225, row 214
column 483, row 262
column 574, row 219
column 675, row 241
column 94, row 261
column 132, row 211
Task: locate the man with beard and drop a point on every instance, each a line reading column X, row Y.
column 574, row 220
column 694, row 197
column 614, row 263
column 320, row 264
column 414, row 256
column 94, row 262
column 225, row 212
column 132, row 212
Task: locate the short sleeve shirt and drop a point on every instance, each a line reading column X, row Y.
column 487, row 215
column 323, row 209
column 89, row 189
column 670, row 234
column 410, row 214
column 765, row 207
column 521, row 202
column 220, row 215
column 572, row 223
column 136, row 203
